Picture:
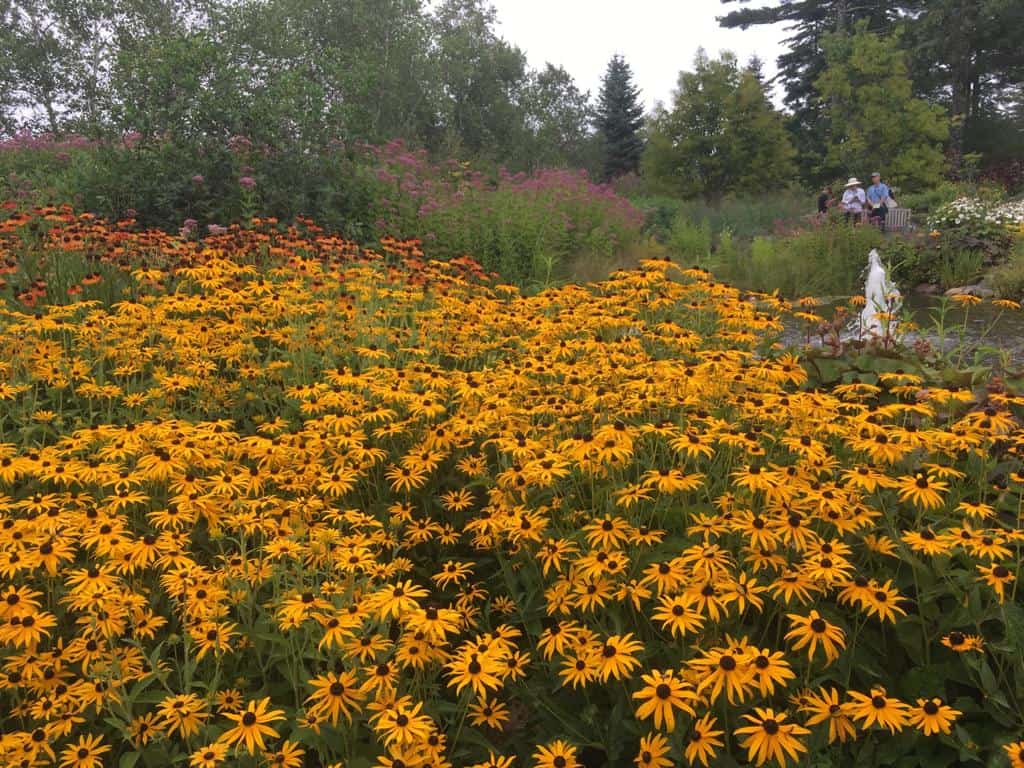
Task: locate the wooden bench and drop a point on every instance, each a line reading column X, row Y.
column 898, row 220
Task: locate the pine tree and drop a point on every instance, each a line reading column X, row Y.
column 619, row 119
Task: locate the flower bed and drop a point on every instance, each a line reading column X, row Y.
column 284, row 500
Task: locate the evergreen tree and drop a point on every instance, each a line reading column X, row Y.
column 967, row 56
column 804, row 61
column 619, row 119
column 721, row 135
column 874, row 121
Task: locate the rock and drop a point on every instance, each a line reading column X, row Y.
column 928, row 289
column 971, row 290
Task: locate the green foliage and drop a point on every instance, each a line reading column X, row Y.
column 825, row 260
column 972, row 224
column 560, row 115
column 927, row 201
column 1008, row 278
column 619, row 119
column 958, row 267
column 690, row 241
column 965, row 56
column 659, row 212
column 482, row 75
column 524, row 227
column 749, row 215
column 287, row 73
column 875, row 123
column 969, row 52
column 721, row 135
column 803, row 61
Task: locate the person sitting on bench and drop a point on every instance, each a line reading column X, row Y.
column 853, row 202
column 879, row 199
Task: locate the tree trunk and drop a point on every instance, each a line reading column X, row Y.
column 842, row 15
column 962, row 74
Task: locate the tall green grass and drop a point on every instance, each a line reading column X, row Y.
column 822, row 261
column 745, row 217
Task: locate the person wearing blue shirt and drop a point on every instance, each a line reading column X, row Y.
column 879, row 196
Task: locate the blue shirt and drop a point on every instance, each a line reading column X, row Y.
column 878, row 193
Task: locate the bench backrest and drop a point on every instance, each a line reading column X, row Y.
column 898, row 218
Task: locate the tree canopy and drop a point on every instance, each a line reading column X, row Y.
column 721, row 134
column 296, row 72
column 874, row 121
column 965, row 57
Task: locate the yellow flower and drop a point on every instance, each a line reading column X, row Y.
column 770, row 737
column 251, row 725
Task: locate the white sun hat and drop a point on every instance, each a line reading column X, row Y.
column 853, row 182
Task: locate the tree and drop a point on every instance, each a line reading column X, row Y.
column 967, row 56
column 483, row 80
column 721, row 135
column 559, row 116
column 321, row 70
column 804, row 62
column 873, row 120
column 619, row 119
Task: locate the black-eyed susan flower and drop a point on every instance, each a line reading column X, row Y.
column 703, row 741
column 617, row 656
column 489, row 712
column 963, row 643
column 721, row 669
column 826, row 706
column 653, row 752
column 86, row 752
column 922, row 490
column 770, row 737
column 252, row 725
column 932, row 716
column 557, row 754
column 1015, row 753
column 879, row 708
column 334, row 695
column 481, row 672
column 812, row 631
column 998, row 577
column 661, row 695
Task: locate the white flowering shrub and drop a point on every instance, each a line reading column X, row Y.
column 966, row 211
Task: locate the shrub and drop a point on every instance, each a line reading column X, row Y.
column 931, row 199
column 517, row 225
column 689, row 240
column 659, row 214
column 1007, row 280
column 954, row 268
column 977, row 224
column 747, row 216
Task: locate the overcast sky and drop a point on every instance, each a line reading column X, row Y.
column 658, row 38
